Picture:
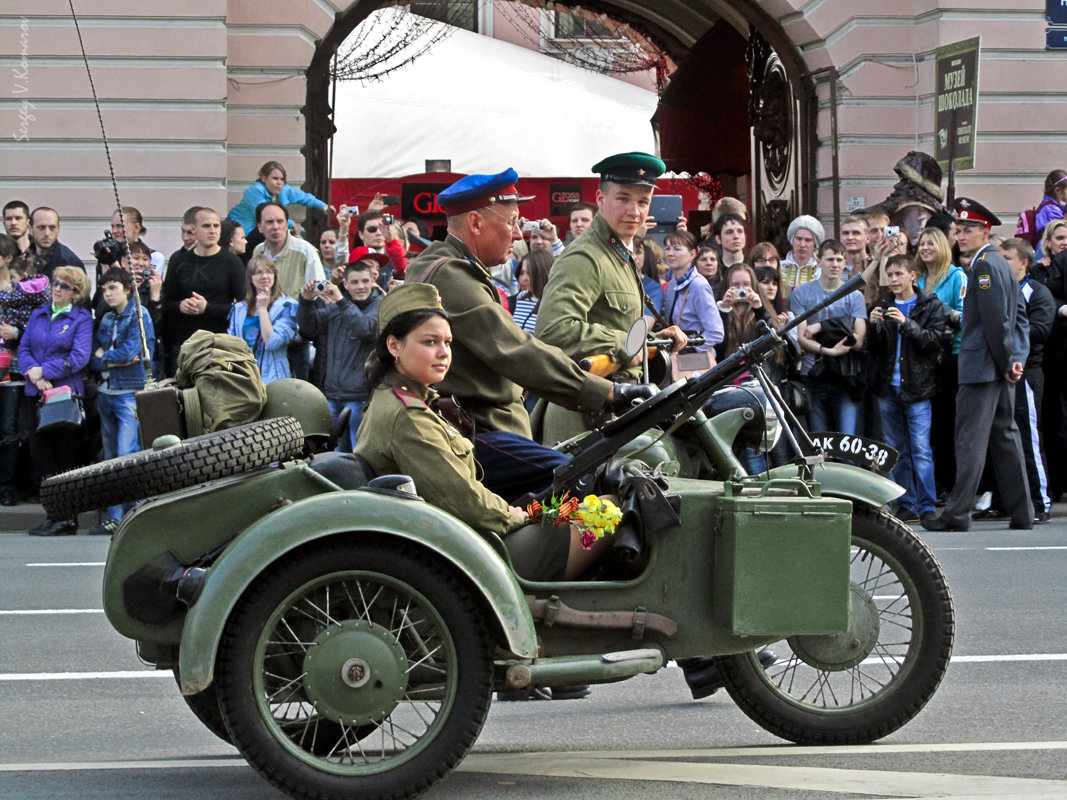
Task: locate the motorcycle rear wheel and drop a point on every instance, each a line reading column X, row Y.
column 860, row 687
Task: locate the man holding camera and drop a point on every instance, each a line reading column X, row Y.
column 832, row 342
column 377, row 233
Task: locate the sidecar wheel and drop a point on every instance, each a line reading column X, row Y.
column 205, row 706
column 822, row 689
column 355, row 670
column 150, row 472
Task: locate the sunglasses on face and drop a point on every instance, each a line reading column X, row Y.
column 371, row 229
column 62, row 285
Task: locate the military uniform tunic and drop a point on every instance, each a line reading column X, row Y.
column 401, row 434
column 592, row 298
column 492, row 357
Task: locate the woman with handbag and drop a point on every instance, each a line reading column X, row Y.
column 18, row 299
column 54, row 352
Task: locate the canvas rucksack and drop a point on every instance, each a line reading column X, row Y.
column 224, row 373
column 1026, row 227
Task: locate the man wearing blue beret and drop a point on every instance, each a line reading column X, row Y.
column 493, row 359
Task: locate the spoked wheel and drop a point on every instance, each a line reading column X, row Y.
column 864, row 684
column 355, row 670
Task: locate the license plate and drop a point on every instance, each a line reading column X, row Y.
column 869, row 453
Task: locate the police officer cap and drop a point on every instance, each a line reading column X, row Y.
column 630, row 168
column 479, row 191
column 407, row 297
column 971, row 212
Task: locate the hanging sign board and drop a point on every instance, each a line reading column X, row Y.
column 956, row 103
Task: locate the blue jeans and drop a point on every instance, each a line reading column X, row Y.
column 119, row 432
column 347, row 442
column 514, row 465
column 832, row 409
column 907, row 429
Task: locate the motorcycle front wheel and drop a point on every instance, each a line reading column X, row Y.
column 862, row 685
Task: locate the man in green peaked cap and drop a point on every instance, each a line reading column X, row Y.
column 594, row 293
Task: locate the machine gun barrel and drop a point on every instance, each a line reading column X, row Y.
column 600, row 445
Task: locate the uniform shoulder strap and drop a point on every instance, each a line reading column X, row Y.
column 427, row 276
column 408, row 397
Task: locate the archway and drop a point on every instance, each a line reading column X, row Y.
column 780, row 107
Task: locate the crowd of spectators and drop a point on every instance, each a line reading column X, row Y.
column 882, row 362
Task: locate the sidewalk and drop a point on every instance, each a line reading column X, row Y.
column 20, row 518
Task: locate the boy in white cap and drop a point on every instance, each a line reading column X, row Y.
column 801, row 265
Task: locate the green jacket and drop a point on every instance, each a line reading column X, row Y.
column 592, row 298
column 399, row 434
column 492, row 357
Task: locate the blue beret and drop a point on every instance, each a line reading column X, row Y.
column 479, row 191
column 630, row 168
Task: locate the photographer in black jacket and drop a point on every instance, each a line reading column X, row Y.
column 906, row 338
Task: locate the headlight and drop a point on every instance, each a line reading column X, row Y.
column 762, row 432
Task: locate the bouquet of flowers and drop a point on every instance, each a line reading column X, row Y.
column 596, row 516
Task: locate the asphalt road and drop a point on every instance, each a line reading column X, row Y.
column 83, row 718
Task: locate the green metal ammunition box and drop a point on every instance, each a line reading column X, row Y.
column 782, row 557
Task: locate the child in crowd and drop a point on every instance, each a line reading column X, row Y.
column 118, row 358
column 349, row 318
column 906, row 339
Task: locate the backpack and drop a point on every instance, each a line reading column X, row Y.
column 1026, row 226
column 226, row 378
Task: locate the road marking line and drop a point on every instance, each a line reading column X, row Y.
column 67, row 564
column 41, row 611
column 178, row 763
column 878, row 748
column 988, row 659
column 1048, row 547
column 474, row 760
column 85, row 676
column 880, row 782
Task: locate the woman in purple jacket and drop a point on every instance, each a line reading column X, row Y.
column 54, row 351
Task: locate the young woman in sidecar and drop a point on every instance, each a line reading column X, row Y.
column 400, row 433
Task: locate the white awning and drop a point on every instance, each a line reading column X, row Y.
column 488, row 105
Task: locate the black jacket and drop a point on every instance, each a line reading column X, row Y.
column 922, row 344
column 1040, row 311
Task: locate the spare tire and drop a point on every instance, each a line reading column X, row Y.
column 152, row 472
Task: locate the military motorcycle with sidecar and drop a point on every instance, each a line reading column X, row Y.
column 347, row 637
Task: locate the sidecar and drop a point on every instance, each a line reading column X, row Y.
column 347, row 637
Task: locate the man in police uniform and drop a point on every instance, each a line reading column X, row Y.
column 594, row 293
column 492, row 357
column 993, row 350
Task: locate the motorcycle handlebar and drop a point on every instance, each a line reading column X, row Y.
column 600, row 445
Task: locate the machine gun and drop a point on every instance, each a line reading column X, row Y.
column 683, row 398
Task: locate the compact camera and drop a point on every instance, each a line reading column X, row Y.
column 530, row 225
column 387, row 219
column 320, row 286
column 891, row 231
column 741, row 294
